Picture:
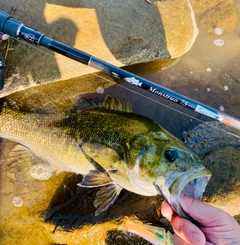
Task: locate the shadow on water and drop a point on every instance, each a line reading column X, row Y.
column 111, row 22
column 39, row 71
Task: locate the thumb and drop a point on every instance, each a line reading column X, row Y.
column 201, row 212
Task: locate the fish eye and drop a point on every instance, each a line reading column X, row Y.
column 170, row 155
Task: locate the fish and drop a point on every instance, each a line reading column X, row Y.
column 113, row 149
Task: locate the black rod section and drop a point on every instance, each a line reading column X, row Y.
column 16, row 29
column 2, row 71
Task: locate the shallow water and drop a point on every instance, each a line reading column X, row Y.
column 56, row 211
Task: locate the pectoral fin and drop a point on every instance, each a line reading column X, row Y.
column 105, row 197
column 108, row 192
column 95, row 178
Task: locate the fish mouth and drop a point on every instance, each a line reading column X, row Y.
column 191, row 183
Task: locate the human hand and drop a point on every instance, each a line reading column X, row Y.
column 216, row 226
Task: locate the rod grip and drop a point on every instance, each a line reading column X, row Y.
column 8, row 25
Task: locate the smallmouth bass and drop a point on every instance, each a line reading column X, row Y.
column 112, row 148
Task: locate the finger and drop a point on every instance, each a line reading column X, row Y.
column 166, row 210
column 178, row 240
column 186, row 230
column 205, row 213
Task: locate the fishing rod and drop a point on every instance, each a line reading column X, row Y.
column 16, row 29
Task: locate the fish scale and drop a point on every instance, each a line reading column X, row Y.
column 109, row 127
column 35, row 133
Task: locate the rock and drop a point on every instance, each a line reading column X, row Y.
column 203, row 5
column 223, row 190
column 120, row 33
column 178, row 22
column 219, row 148
column 211, row 136
column 216, row 14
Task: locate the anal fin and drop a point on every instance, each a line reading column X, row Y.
column 105, row 197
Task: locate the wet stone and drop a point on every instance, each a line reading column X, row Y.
column 224, row 164
column 219, row 148
column 212, row 15
column 211, row 136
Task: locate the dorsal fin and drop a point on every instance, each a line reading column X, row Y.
column 111, row 103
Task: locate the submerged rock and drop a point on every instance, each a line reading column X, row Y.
column 221, row 14
column 211, row 136
column 219, row 147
